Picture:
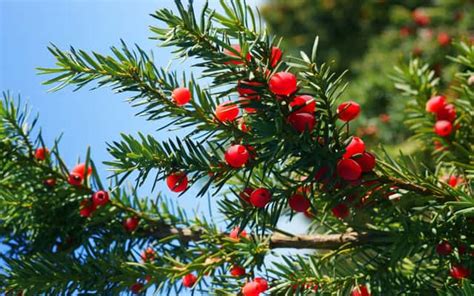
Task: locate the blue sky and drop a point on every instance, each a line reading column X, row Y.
column 86, row 118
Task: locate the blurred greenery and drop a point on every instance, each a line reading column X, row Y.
column 371, row 37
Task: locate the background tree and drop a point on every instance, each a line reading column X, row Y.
column 269, row 141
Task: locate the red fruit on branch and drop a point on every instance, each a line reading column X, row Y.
column 355, row 146
column 275, row 56
column 81, row 170
column 366, row 161
column 131, row 224
column 181, row 96
column 177, row 182
column 458, row 272
column 420, row 17
column 299, row 203
column 227, row 111
column 236, row 58
column 453, row 181
column 75, row 179
column 444, row 248
column 443, row 128
column 341, row 211
column 444, row 39
column 189, row 280
column 303, row 104
column 236, row 156
column 348, row 111
column 86, row 208
column 302, row 121
column 249, row 89
column 435, row 104
column 245, row 195
column 251, row 289
column 262, row 284
column 447, row 112
column 237, row 271
column 360, row 290
column 136, row 288
column 283, row 84
column 348, row 169
column 237, row 234
column 148, row 255
column 260, row 197
column 100, row 198
column 41, row 153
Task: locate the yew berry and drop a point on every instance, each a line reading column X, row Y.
column 275, row 56
column 303, row 104
column 81, row 170
column 189, row 280
column 299, row 203
column 366, row 162
column 444, row 248
column 41, row 153
column 136, row 288
column 283, row 83
column 262, row 284
column 360, row 290
column 131, row 223
column 444, row 39
column 236, row 156
column 420, row 17
column 340, row 211
column 251, row 289
column 148, row 255
column 355, row 146
column 100, row 198
column 237, row 271
column 260, row 197
column 227, row 111
column 435, row 104
column 453, row 181
column 181, row 96
column 236, row 58
column 237, row 234
column 248, row 88
column 245, row 195
column 302, row 121
column 348, row 111
column 51, row 182
column 75, row 179
column 447, row 112
column 348, row 169
column 459, row 272
column 86, row 208
column 443, row 128
column 177, row 182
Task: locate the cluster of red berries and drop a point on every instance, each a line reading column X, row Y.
column 445, row 115
column 89, row 205
column 255, row 287
column 41, row 154
column 79, row 174
column 355, row 161
column 457, row 271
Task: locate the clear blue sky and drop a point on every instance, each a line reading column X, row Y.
column 87, row 118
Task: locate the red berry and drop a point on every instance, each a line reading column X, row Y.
column 447, row 112
column 249, row 89
column 340, row 211
column 444, row 248
column 303, row 104
column 41, row 153
column 299, row 203
column 275, row 56
column 453, row 181
column 420, row 17
column 237, row 234
column 181, row 96
column 245, row 195
column 237, row 271
column 50, row 182
column 348, row 111
column 260, row 197
column 100, row 198
column 136, row 288
column 81, row 170
column 444, row 39
column 236, row 58
column 148, row 255
column 302, row 121
column 189, row 280
column 322, row 173
column 459, row 272
column 236, row 156
column 405, row 31
column 360, row 290
column 177, row 182
column 435, row 104
column 131, row 223
column 283, row 83
column 75, row 179
column 251, row 289
column 355, row 146
column 443, row 128
column 366, row 162
column 86, row 208
column 349, row 169
column 262, row 284
column 227, row 111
